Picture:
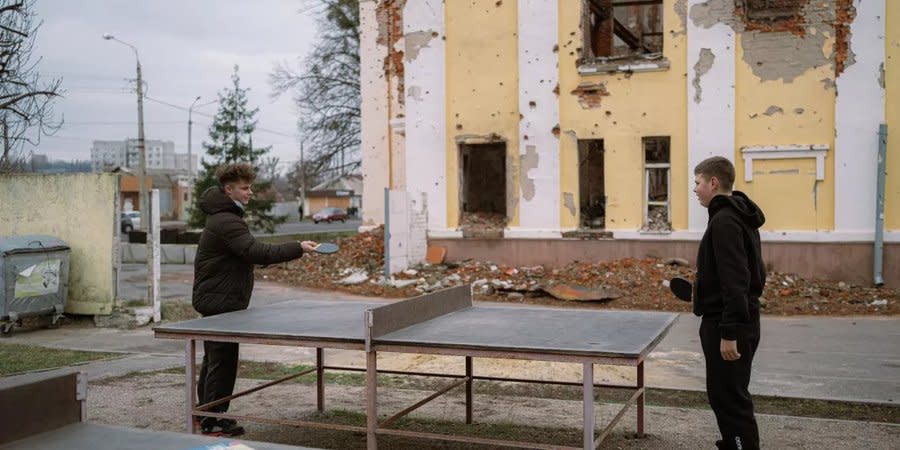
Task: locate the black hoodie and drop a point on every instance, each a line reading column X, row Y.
column 730, row 269
column 223, row 268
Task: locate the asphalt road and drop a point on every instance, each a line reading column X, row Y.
column 307, row 226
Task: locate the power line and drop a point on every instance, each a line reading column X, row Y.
column 185, row 109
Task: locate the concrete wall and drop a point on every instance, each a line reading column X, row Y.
column 79, row 209
column 375, row 114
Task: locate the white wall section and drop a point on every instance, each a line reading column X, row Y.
column 858, row 112
column 711, row 79
column 539, row 190
column 423, row 28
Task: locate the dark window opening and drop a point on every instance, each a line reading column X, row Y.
column 621, row 29
column 657, row 184
column 591, row 190
column 772, row 10
column 483, row 187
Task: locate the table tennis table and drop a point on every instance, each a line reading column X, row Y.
column 441, row 323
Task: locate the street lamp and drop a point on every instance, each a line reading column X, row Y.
column 142, row 172
column 190, row 161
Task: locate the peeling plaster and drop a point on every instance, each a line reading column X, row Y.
column 569, row 200
column 590, row 94
column 527, row 162
column 414, row 92
column 881, row 75
column 828, row 83
column 772, row 110
column 415, row 42
column 788, row 48
column 389, row 17
column 704, row 63
column 681, row 12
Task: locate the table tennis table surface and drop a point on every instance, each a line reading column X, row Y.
column 578, row 332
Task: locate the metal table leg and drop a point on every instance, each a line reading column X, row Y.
column 371, row 400
column 320, row 379
column 190, row 384
column 469, row 389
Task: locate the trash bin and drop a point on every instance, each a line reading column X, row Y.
column 34, row 278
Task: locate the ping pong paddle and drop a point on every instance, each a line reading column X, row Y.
column 682, row 288
column 326, row 248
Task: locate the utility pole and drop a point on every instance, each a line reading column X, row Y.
column 302, row 180
column 142, row 171
column 142, row 151
column 190, row 161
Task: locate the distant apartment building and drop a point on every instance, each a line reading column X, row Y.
column 159, row 155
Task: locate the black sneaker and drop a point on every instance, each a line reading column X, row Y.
column 221, row 427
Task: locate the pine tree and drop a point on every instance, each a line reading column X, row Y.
column 231, row 141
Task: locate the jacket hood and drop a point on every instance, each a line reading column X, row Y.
column 214, row 200
column 749, row 213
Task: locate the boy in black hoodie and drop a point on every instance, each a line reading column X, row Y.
column 730, row 279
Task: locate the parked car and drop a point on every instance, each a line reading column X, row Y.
column 131, row 220
column 330, row 215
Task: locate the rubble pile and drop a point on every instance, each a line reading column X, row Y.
column 640, row 284
column 478, row 222
column 657, row 220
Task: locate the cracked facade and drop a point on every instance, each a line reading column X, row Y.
column 711, row 77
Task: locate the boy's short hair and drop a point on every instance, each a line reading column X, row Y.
column 718, row 167
column 233, row 173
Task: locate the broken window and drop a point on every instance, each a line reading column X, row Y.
column 772, row 10
column 621, row 29
column 483, row 188
column 657, row 184
column 591, row 190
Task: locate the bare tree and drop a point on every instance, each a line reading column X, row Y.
column 325, row 88
column 26, row 101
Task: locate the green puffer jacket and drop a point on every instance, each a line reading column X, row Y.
column 223, row 268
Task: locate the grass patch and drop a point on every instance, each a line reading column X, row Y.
column 827, row 409
column 17, row 358
column 325, row 236
column 517, row 432
column 133, row 303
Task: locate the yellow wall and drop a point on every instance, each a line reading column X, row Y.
column 482, row 87
column 892, row 115
column 79, row 209
column 641, row 105
column 805, row 203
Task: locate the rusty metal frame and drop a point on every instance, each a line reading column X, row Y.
column 590, row 439
column 373, row 427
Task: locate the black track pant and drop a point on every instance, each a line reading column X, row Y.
column 218, row 373
column 727, row 383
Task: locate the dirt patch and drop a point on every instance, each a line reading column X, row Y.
column 156, row 401
column 641, row 282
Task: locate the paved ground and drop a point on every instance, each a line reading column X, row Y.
column 838, row 358
column 816, row 357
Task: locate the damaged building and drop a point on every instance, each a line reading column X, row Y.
column 547, row 131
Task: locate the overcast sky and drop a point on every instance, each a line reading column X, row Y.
column 187, row 48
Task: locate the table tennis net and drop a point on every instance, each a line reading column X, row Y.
column 398, row 315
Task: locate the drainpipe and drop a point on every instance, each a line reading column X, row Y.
column 879, row 205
